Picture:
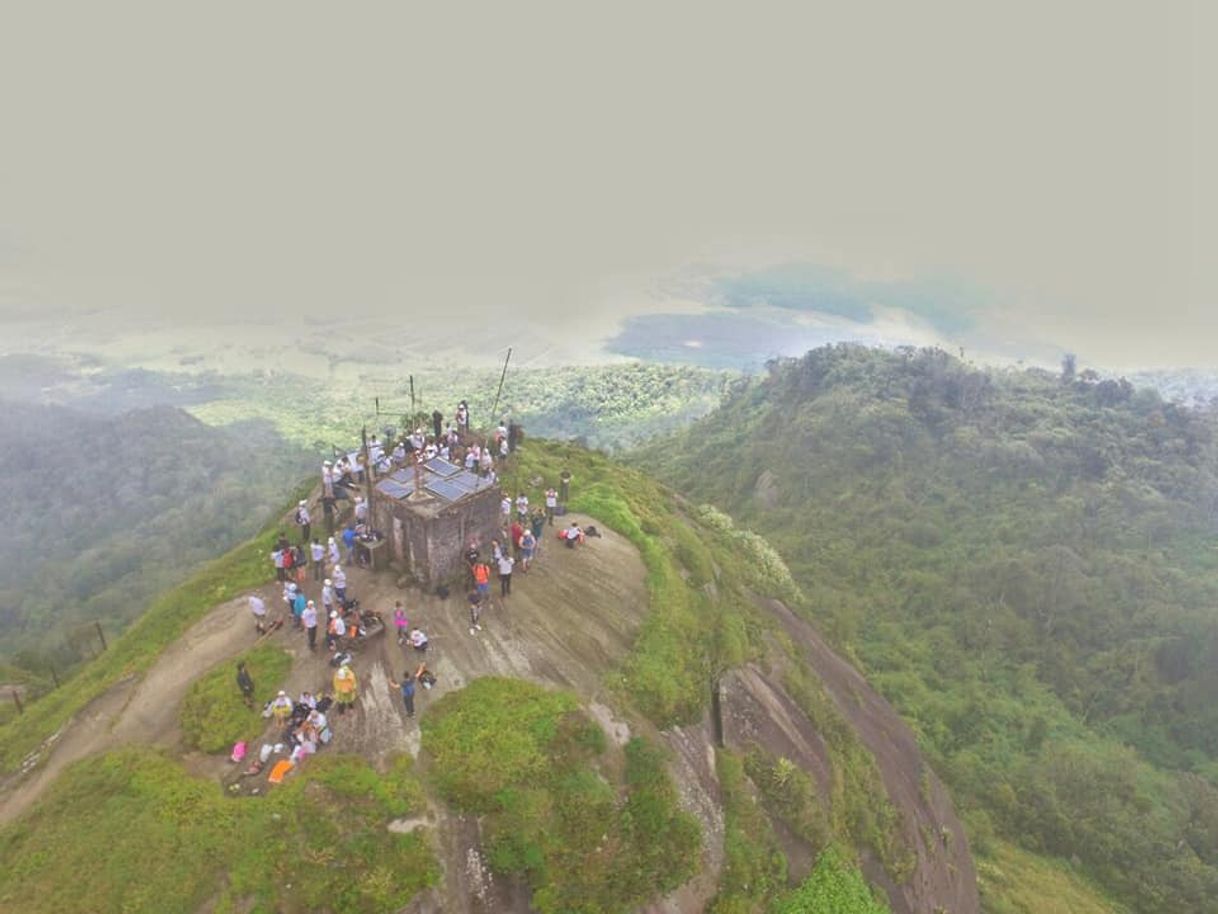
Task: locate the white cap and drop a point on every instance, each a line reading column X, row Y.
column 333, row 614
column 311, row 603
column 332, row 541
column 282, row 692
column 328, row 582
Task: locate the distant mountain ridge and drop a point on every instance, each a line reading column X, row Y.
column 1026, row 566
column 105, row 511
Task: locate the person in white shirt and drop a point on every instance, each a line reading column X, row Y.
column 505, row 573
column 339, row 577
column 258, row 608
column 418, row 639
column 317, row 555
column 332, row 548
column 505, row 510
column 361, row 510
column 522, row 506
column 309, row 619
column 551, row 504
column 277, row 561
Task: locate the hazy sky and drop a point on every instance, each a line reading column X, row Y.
column 573, row 164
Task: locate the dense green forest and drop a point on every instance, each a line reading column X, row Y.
column 1026, row 564
column 103, row 513
column 610, row 407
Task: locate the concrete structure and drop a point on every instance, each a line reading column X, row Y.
column 428, row 530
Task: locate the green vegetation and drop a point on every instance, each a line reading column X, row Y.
column 1026, row 566
column 835, row 885
column 609, row 406
column 1013, row 881
column 214, row 715
column 754, row 867
column 103, row 513
column 168, row 616
column 700, row 621
column 131, row 832
column 536, row 769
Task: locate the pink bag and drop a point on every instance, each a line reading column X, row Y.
column 238, row 751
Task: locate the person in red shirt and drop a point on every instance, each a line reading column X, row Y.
column 517, row 532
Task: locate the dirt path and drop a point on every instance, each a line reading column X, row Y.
column 141, row 711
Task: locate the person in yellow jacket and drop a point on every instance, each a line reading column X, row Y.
column 345, row 687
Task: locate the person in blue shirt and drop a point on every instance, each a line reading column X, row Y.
column 407, row 687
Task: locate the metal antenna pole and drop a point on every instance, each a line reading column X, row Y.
column 495, row 408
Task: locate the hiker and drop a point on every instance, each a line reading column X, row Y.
column 317, row 554
column 281, row 707
column 482, row 579
column 536, row 526
column 361, row 510
column 345, row 687
column 463, row 416
column 258, row 608
column 407, row 687
column 486, row 462
column 332, row 550
column 339, row 577
column 304, row 522
column 335, row 630
column 277, row 561
column 425, row 677
column 245, row 682
column 475, row 611
column 327, row 596
column 516, row 532
column 505, row 574
column 298, row 607
column 349, row 540
column 572, row 535
column 418, row 639
column 528, row 543
column 400, row 622
column 551, row 504
column 564, row 486
column 309, row 619
column 505, row 511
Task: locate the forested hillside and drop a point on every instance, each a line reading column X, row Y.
column 1026, row 564
column 102, row 513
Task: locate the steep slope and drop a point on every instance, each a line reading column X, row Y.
column 634, row 626
column 1025, row 565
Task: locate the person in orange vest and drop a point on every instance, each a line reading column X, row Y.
column 482, row 580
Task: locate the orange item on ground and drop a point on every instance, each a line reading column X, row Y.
column 282, row 767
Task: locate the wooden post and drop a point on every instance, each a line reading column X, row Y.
column 100, row 634
column 413, row 409
column 17, row 702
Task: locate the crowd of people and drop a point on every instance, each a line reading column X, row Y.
column 311, row 563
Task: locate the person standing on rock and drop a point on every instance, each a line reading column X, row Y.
column 245, row 683
column 475, row 611
column 345, row 688
column 258, row 608
column 505, row 573
column 317, row 555
column 309, row 618
column 407, row 687
column 304, row 522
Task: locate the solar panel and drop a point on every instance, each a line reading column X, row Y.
column 394, row 489
column 403, row 476
column 465, row 481
column 445, row 489
column 442, row 467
